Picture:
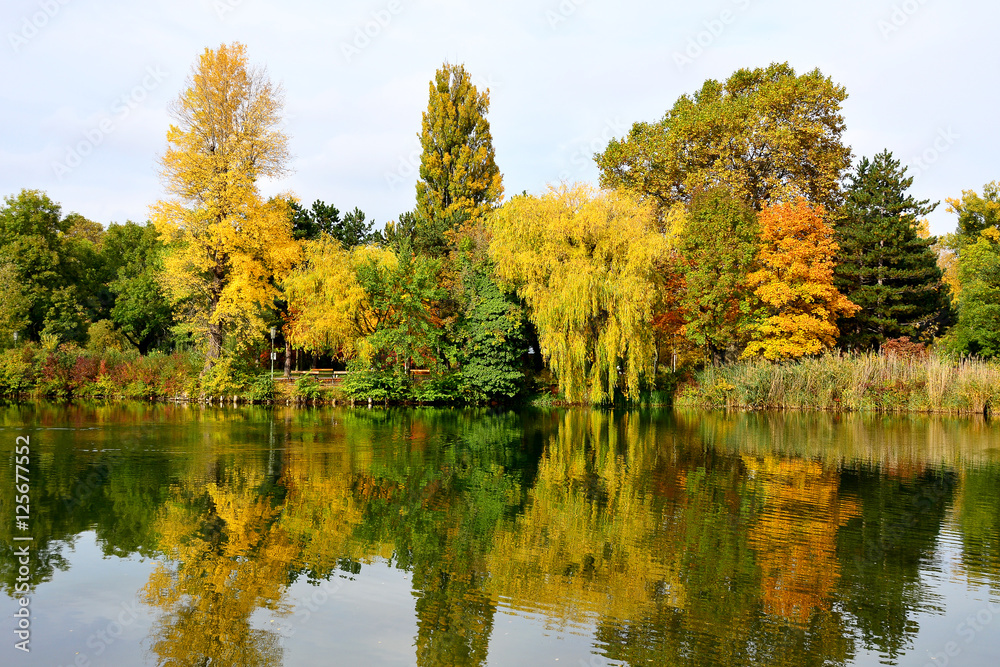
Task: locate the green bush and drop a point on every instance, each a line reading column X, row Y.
column 364, row 382
column 260, row 389
column 307, row 387
column 102, row 336
column 17, row 371
column 227, row 377
column 441, row 387
column 102, row 387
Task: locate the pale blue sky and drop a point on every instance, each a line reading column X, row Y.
column 95, row 77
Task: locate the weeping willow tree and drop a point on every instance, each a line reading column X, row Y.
column 585, row 263
column 329, row 310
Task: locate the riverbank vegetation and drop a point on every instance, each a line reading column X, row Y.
column 730, row 249
column 865, row 381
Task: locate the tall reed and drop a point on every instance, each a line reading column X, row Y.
column 849, row 382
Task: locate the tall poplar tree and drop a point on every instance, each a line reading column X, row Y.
column 883, row 265
column 459, row 178
column 225, row 244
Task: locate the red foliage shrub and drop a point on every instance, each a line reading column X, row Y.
column 903, row 348
column 84, row 370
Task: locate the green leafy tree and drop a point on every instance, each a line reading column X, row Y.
column 883, row 265
column 15, row 304
column 52, row 269
column 84, row 229
column 491, row 337
column 401, row 232
column 459, row 178
column 140, row 312
column 66, row 318
column 763, row 134
column 400, row 311
column 975, row 213
column 978, row 328
column 718, row 248
column 97, row 269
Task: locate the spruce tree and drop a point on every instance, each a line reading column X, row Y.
column 883, row 264
column 459, row 178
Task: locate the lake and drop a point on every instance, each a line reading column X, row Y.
column 189, row 535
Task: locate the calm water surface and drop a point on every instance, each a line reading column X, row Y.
column 185, row 536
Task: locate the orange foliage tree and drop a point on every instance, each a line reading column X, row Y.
column 669, row 313
column 794, row 282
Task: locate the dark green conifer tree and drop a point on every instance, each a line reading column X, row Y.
column 883, row 265
column 351, row 230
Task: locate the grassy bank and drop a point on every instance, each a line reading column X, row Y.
column 849, row 382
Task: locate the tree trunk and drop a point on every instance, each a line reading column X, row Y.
column 288, row 360
column 214, row 346
column 532, row 338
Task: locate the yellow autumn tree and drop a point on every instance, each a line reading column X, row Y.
column 794, row 282
column 211, row 583
column 585, row 263
column 329, row 310
column 225, row 244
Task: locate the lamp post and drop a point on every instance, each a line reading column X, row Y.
column 272, row 353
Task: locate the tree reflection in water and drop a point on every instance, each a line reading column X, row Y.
column 693, row 539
